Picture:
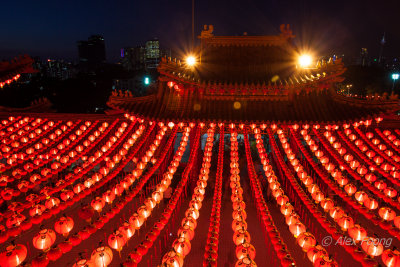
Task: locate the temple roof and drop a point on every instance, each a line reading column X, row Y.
column 250, row 79
column 271, row 59
column 11, row 70
column 316, row 106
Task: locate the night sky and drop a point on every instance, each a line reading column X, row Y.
column 52, row 28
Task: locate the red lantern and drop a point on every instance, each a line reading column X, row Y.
column 327, row 204
column 357, row 233
column 297, row 228
column 15, row 220
column 350, row 189
column 52, row 203
column 306, row 241
column 370, row 177
column 64, row 225
column 361, row 196
column 372, row 246
column 182, row 246
column 127, row 230
column 245, row 250
column 98, row 204
column 345, row 222
column 245, row 262
column 13, row 256
column 116, row 240
column 286, row 209
column 240, row 237
column 371, row 203
column 391, row 258
column 37, row 210
column 387, row 213
column 109, row 196
column 172, row 259
column 316, row 252
column 101, row 256
column 390, row 192
column 44, row 239
column 336, row 212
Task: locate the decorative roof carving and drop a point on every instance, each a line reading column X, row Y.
column 286, row 32
column 207, row 32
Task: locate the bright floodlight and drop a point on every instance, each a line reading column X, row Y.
column 305, row 61
column 191, row 61
column 395, row 76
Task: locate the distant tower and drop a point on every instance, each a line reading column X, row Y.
column 363, row 61
column 92, row 53
column 383, row 41
column 152, row 53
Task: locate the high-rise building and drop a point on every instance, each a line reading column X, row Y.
column 143, row 57
column 133, row 58
column 58, row 69
column 363, row 59
column 382, row 43
column 152, row 54
column 92, row 53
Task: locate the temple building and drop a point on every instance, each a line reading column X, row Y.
column 250, row 79
column 243, row 156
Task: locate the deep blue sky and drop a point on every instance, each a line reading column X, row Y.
column 52, row 28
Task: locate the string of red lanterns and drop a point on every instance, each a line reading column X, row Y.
column 64, row 247
column 316, row 253
column 26, row 136
column 380, row 189
column 126, row 228
column 272, row 235
column 369, row 178
column 142, row 249
column 71, row 201
column 109, row 196
column 17, row 125
column 144, row 211
column 211, row 249
column 245, row 251
column 23, row 138
column 181, row 245
column 8, row 81
column 358, row 233
column 46, row 193
column 379, row 148
column 311, row 205
column 114, row 162
column 48, row 171
column 391, row 140
column 382, row 169
column 35, row 146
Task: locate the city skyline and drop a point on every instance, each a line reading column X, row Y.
column 53, row 28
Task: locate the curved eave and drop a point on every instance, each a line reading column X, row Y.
column 313, row 108
column 178, row 73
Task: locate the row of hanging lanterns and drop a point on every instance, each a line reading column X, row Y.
column 315, row 253
column 211, row 248
column 181, row 245
column 369, row 244
column 118, row 239
column 245, row 251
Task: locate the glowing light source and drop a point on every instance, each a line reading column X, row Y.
column 146, row 80
column 191, row 61
column 305, row 61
